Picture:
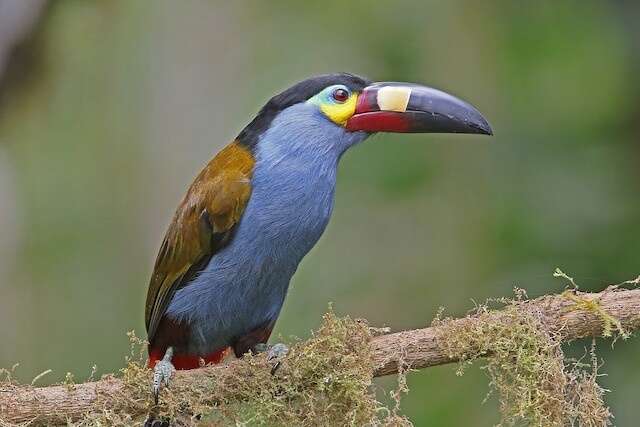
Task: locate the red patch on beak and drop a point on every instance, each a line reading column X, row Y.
column 379, row 121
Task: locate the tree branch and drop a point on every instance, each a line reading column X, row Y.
column 571, row 315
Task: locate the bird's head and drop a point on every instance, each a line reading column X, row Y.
column 332, row 112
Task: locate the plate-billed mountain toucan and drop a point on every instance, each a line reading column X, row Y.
column 257, row 208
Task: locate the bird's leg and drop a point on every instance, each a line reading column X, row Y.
column 162, row 373
column 275, row 352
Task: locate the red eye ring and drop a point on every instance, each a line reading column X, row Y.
column 340, row 95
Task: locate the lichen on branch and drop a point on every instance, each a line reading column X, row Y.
column 526, row 366
column 329, row 376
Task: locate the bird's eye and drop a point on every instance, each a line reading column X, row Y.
column 340, row 95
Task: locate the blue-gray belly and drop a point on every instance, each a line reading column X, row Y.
column 244, row 285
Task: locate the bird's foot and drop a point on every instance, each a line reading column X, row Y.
column 162, row 373
column 275, row 353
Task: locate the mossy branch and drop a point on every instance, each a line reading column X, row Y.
column 420, row 348
column 332, row 360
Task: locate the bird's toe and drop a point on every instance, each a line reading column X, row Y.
column 277, row 351
column 162, row 374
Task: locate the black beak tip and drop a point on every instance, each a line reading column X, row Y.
column 475, row 121
column 483, row 128
column 472, row 125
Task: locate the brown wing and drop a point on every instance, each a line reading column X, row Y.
column 201, row 226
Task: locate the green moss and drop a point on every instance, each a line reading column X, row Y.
column 592, row 305
column 327, row 377
column 526, row 366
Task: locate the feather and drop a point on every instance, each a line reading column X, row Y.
column 202, row 225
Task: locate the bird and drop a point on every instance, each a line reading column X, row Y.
column 256, row 209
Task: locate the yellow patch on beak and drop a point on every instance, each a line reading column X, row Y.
column 340, row 113
column 393, row 98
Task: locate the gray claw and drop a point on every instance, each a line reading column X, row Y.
column 162, row 374
column 277, row 351
column 274, row 352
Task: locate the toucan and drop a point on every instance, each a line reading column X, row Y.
column 255, row 210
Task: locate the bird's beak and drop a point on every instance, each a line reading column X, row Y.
column 407, row 107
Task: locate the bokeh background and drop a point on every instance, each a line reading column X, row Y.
column 108, row 109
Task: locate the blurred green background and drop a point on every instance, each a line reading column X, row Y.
column 108, row 109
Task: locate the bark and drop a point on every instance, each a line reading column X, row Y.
column 416, row 349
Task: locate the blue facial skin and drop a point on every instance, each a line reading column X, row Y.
column 244, row 285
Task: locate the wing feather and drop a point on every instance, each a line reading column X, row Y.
column 201, row 226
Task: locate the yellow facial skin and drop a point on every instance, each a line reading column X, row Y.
column 340, row 113
column 337, row 112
